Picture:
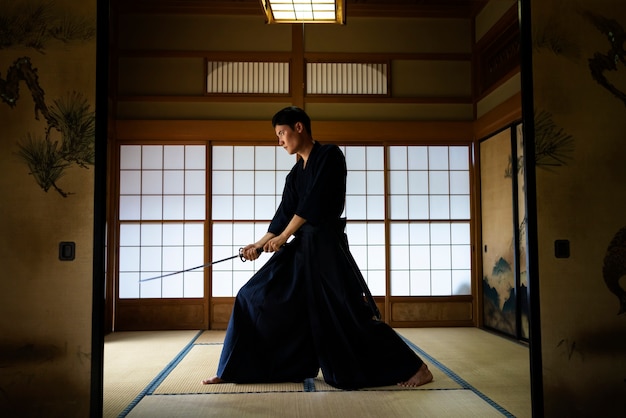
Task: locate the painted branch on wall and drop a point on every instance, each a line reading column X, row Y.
column 35, row 23
column 553, row 146
column 69, row 136
column 601, row 63
column 47, row 157
column 22, row 70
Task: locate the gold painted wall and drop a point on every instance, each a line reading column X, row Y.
column 579, row 77
column 45, row 303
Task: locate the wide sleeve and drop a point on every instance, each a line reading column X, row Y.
column 287, row 206
column 324, row 197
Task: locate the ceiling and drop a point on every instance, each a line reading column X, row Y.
column 360, row 8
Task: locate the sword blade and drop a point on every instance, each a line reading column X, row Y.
column 240, row 255
column 189, row 269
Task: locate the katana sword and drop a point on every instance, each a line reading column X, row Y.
column 239, row 254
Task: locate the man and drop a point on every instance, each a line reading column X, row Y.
column 305, row 308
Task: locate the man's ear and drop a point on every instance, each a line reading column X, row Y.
column 299, row 127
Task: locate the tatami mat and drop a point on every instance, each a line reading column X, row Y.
column 201, row 362
column 423, row 404
column 211, row 337
column 159, row 374
column 132, row 360
column 491, row 364
column 440, row 381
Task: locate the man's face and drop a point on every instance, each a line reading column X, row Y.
column 289, row 139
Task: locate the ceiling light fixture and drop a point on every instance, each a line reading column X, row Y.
column 304, row 11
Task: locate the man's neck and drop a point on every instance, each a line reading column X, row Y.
column 306, row 151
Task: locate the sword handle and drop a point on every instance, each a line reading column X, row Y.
column 258, row 251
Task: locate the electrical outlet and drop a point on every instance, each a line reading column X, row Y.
column 561, row 248
column 67, row 251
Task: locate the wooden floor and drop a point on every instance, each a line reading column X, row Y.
column 157, row 374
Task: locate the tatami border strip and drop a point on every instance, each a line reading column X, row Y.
column 148, row 390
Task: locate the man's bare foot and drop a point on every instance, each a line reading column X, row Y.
column 212, row 381
column 420, row 378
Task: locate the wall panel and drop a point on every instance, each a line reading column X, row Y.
column 579, row 125
column 48, row 91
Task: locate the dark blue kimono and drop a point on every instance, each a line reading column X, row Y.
column 305, row 308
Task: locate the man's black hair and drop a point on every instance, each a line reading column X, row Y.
column 290, row 116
